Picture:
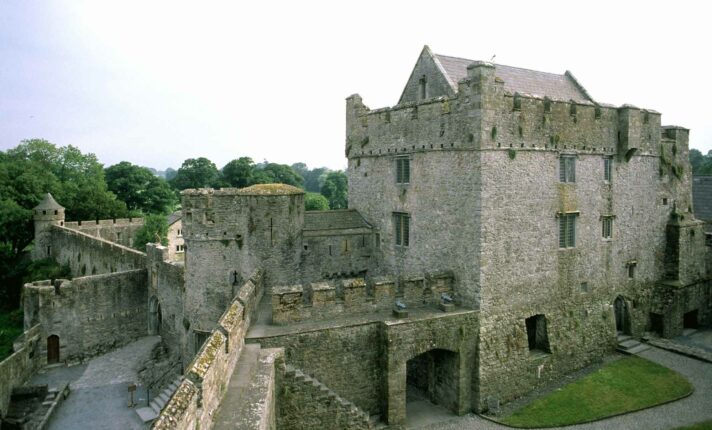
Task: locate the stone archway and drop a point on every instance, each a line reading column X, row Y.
column 433, row 376
column 53, row 349
column 154, row 316
column 622, row 315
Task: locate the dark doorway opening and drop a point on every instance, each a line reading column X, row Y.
column 53, row 349
column 689, row 320
column 656, row 323
column 432, row 379
column 536, row 333
column 622, row 315
column 155, row 318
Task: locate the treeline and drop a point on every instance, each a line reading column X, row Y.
column 89, row 191
column 326, row 189
column 701, row 164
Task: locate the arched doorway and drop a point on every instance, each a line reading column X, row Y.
column 432, row 384
column 622, row 314
column 53, row 349
column 154, row 316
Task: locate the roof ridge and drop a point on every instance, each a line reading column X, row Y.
column 503, row 65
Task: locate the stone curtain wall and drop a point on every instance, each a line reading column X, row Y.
column 208, row 375
column 89, row 255
column 330, row 255
column 166, row 280
column 19, row 367
column 120, row 230
column 347, row 359
column 305, row 403
column 91, row 315
column 350, row 296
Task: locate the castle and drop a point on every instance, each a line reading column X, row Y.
column 503, row 228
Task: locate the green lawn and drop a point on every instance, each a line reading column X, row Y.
column 625, row 385
column 704, row 425
column 10, row 329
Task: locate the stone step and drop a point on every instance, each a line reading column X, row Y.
column 147, row 414
column 623, row 337
column 627, row 344
column 638, row 349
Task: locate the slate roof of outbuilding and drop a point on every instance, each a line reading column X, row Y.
column 518, row 80
column 175, row 216
column 48, row 202
column 334, row 220
column 702, row 197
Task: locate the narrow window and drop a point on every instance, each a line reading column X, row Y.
column 329, row 249
column 536, row 333
column 402, row 228
column 665, row 201
column 55, row 212
column 607, row 165
column 607, row 227
column 49, row 251
column 547, row 105
column 271, row 232
column 402, row 170
column 517, row 102
column 118, row 235
column 567, row 230
column 567, row 168
column 423, row 88
column 631, row 270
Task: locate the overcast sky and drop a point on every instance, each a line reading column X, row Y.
column 156, row 82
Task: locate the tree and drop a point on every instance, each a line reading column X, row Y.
column 277, row 173
column 313, row 179
column 701, row 164
column 139, row 188
column 27, row 172
column 154, row 229
column 196, row 173
column 335, row 189
column 315, row 202
column 239, row 172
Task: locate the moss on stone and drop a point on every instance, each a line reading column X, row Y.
column 271, row 190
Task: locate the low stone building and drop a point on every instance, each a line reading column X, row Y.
column 503, row 228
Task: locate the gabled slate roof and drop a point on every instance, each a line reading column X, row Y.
column 702, row 197
column 518, row 80
column 334, row 220
column 175, row 216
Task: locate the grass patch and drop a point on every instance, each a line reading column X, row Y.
column 10, row 329
column 625, row 385
column 704, row 425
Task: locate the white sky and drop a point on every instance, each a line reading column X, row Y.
column 156, row 82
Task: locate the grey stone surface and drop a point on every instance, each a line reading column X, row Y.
column 98, row 390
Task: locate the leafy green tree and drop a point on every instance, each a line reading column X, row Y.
column 315, row 202
column 335, row 189
column 239, row 172
column 140, row 189
column 313, row 179
column 154, row 229
column 277, row 173
column 196, row 173
column 170, row 173
column 701, row 164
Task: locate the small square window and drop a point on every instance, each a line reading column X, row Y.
column 567, row 168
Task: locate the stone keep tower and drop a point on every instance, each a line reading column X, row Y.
column 231, row 232
column 47, row 213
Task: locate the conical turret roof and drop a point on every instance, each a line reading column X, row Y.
column 48, row 202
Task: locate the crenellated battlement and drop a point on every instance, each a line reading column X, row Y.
column 326, row 299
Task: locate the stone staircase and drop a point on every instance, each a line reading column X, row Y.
column 151, row 412
column 356, row 417
column 628, row 345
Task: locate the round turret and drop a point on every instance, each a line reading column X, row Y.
column 47, row 213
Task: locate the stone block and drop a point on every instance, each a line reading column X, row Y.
column 323, row 295
column 354, row 292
